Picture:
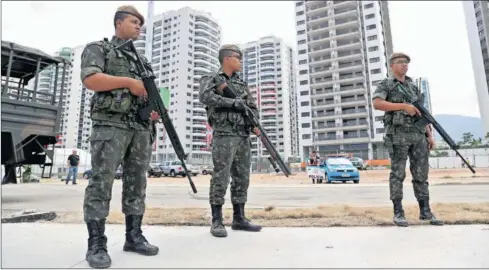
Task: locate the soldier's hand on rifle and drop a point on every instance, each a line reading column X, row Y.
column 239, row 106
column 411, row 110
column 154, row 116
column 431, row 142
column 137, row 88
column 256, row 131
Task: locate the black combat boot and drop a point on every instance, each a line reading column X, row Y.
column 240, row 222
column 217, row 227
column 135, row 241
column 425, row 213
column 399, row 218
column 97, row 255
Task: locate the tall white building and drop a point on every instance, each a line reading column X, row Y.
column 343, row 49
column 269, row 70
column 424, row 87
column 185, row 45
column 75, row 122
column 477, row 23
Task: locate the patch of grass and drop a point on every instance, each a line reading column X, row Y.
column 321, row 216
column 446, row 177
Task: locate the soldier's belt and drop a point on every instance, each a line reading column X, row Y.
column 406, row 129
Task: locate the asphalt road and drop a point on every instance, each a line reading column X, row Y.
column 52, row 246
column 59, row 197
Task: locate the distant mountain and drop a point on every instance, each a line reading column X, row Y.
column 456, row 125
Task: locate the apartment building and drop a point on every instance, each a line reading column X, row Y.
column 343, row 49
column 185, row 45
column 75, row 122
column 477, row 23
column 424, row 87
column 269, row 70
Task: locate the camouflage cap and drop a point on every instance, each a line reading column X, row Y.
column 131, row 10
column 230, row 47
column 399, row 55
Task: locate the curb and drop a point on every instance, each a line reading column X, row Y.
column 28, row 216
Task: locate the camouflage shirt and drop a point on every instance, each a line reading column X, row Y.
column 223, row 119
column 394, row 91
column 99, row 57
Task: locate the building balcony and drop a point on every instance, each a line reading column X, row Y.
column 198, row 134
column 200, row 28
column 268, row 105
column 199, row 117
column 202, row 142
column 340, row 139
column 324, row 105
column 355, row 113
column 268, row 112
column 267, row 87
column 199, row 125
column 320, row 60
column 202, row 21
column 353, row 102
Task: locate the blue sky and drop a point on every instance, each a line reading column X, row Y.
column 432, row 33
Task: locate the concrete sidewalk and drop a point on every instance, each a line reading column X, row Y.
column 43, row 245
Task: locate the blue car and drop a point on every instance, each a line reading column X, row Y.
column 341, row 169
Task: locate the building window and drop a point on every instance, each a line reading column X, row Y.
column 373, row 37
column 370, row 16
column 369, row 6
column 298, row 4
column 302, row 72
column 372, row 26
column 298, row 13
column 301, row 22
column 374, row 60
column 373, row 49
column 375, row 71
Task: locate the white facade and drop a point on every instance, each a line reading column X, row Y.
column 268, row 68
column 75, row 123
column 341, row 57
column 477, row 23
column 185, row 46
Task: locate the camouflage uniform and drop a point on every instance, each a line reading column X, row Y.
column 231, row 146
column 118, row 136
column 403, row 139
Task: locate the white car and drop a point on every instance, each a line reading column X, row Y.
column 174, row 168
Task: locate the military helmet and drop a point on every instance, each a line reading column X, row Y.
column 131, row 10
column 230, row 47
column 399, row 55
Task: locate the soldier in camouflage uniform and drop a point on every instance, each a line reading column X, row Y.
column 231, row 144
column 118, row 136
column 404, row 138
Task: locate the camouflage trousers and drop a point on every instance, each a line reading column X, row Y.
column 110, row 147
column 414, row 146
column 231, row 156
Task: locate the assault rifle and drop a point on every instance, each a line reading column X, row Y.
column 426, row 118
column 274, row 155
column 156, row 104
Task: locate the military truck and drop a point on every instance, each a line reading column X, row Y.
column 30, row 118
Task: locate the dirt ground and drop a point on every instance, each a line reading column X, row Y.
column 322, row 216
column 366, row 177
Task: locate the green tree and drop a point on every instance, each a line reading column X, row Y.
column 467, row 138
column 476, row 142
column 487, row 138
